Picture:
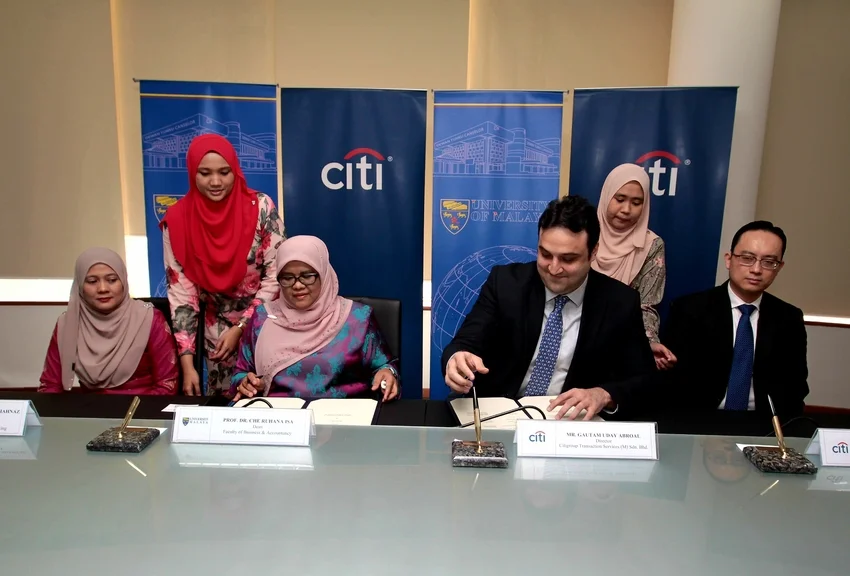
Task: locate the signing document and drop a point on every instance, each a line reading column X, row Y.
column 343, row 411
column 276, row 402
column 491, row 406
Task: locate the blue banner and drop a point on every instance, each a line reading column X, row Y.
column 173, row 114
column 683, row 137
column 497, row 160
column 354, row 175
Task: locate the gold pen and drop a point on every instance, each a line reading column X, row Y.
column 129, row 416
column 777, row 428
column 477, row 416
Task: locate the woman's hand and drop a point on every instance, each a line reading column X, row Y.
column 664, row 359
column 386, row 377
column 191, row 380
column 251, row 385
column 227, row 343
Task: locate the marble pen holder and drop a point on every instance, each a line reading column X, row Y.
column 466, row 454
column 770, row 459
column 128, row 440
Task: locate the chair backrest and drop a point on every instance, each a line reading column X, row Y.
column 387, row 314
column 163, row 306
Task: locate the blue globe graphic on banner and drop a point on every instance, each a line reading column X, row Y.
column 457, row 293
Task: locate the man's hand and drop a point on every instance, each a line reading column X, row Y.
column 593, row 400
column 461, row 369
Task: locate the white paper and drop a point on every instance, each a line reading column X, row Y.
column 14, row 417
column 259, row 426
column 488, row 407
column 571, row 439
column 171, row 407
column 542, row 402
column 833, row 445
column 276, row 402
column 343, row 411
column 742, row 446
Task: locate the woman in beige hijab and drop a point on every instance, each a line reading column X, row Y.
column 629, row 251
column 106, row 341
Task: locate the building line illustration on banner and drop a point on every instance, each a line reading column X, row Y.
column 172, row 115
column 354, row 175
column 682, row 137
column 497, row 158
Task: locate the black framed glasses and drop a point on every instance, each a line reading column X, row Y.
column 749, row 261
column 306, row 279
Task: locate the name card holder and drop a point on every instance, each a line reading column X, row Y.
column 833, row 445
column 571, row 439
column 252, row 426
column 16, row 415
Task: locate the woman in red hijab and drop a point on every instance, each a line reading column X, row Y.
column 219, row 243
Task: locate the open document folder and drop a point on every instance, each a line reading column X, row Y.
column 326, row 411
column 491, row 406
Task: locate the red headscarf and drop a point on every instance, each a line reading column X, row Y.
column 211, row 240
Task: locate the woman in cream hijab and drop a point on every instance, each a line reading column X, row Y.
column 107, row 342
column 629, row 251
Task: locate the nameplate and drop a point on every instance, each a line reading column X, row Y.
column 16, row 415
column 258, row 426
column 571, row 439
column 833, row 445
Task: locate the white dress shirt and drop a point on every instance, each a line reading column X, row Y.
column 754, row 321
column 571, row 314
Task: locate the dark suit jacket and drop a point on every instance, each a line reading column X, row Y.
column 504, row 325
column 699, row 332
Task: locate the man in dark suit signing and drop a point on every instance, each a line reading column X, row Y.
column 555, row 327
column 736, row 344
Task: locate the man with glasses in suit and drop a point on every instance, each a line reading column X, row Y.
column 736, row 344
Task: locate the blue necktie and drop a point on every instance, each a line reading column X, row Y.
column 741, row 375
column 550, row 345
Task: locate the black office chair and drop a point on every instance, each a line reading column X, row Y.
column 163, row 306
column 388, row 317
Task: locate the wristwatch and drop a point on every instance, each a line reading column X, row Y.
column 392, row 370
column 241, row 325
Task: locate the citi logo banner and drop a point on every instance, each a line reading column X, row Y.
column 841, row 448
column 664, row 175
column 538, row 436
column 338, row 175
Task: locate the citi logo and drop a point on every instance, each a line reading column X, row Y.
column 336, row 175
column 656, row 171
column 841, row 448
column 538, row 436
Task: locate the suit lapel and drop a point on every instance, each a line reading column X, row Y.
column 764, row 342
column 533, row 324
column 592, row 312
column 721, row 329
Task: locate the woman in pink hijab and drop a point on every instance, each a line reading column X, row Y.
column 310, row 342
column 629, row 251
column 106, row 342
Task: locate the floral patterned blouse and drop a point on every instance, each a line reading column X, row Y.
column 650, row 283
column 227, row 309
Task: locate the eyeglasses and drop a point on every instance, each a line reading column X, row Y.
column 749, row 261
column 306, row 279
